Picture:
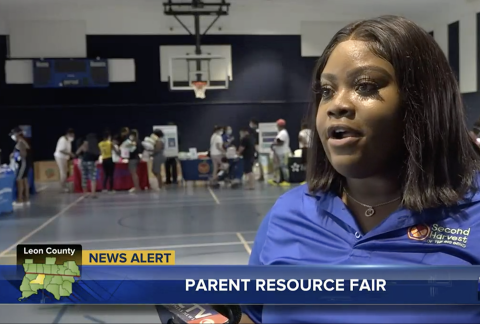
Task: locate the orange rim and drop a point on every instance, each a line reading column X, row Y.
column 199, row 84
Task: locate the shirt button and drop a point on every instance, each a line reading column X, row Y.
column 358, row 235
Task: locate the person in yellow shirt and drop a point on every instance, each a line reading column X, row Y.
column 106, row 149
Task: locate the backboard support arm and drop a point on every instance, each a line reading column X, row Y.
column 198, row 8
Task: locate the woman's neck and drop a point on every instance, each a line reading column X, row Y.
column 374, row 190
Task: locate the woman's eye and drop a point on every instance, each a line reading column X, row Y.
column 367, row 88
column 326, row 92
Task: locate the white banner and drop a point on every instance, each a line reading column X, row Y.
column 267, row 132
column 170, row 139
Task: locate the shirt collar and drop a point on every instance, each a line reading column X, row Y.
column 407, row 217
column 470, row 197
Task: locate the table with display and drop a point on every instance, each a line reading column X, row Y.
column 122, row 179
column 296, row 170
column 201, row 169
column 7, row 180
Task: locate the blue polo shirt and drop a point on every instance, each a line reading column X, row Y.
column 315, row 229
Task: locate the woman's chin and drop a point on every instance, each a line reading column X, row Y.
column 350, row 166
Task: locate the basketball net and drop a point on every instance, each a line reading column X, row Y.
column 199, row 87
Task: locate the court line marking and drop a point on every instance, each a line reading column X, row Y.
column 83, row 209
column 93, row 319
column 162, row 247
column 179, row 246
column 214, row 196
column 188, row 202
column 245, row 243
column 140, row 238
column 42, row 188
column 154, row 199
column 38, row 229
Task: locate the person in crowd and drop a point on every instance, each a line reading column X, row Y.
column 78, row 142
column 255, row 134
column 124, row 133
column 304, row 141
column 116, row 154
column 63, row 153
column 390, row 161
column 217, row 151
column 158, row 157
column 132, row 145
column 247, row 151
column 123, row 140
column 227, row 137
column 107, row 149
column 148, row 146
column 90, row 153
column 281, row 152
column 171, row 172
column 23, row 162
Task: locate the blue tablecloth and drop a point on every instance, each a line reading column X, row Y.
column 196, row 170
column 7, row 180
column 31, row 184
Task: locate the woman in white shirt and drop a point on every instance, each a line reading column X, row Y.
column 216, row 152
column 281, row 150
column 63, row 153
column 304, row 141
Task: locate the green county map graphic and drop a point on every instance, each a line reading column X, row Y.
column 56, row 279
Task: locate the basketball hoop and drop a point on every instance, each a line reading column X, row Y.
column 199, row 87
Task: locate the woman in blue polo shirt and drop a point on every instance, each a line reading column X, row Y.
column 392, row 161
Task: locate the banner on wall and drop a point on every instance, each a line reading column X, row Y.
column 267, row 132
column 170, row 139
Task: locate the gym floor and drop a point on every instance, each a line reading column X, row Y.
column 203, row 226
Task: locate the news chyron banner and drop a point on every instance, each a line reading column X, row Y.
column 67, row 274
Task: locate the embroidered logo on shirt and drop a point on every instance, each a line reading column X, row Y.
column 437, row 234
column 419, row 232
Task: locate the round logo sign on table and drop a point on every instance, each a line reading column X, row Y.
column 204, row 167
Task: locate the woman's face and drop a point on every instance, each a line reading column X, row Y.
column 359, row 118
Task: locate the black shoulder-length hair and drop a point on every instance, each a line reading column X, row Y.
column 441, row 161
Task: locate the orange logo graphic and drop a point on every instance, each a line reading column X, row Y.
column 419, row 232
column 50, row 173
column 204, row 167
column 211, row 319
column 207, row 321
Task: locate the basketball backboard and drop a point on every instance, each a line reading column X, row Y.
column 181, row 68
